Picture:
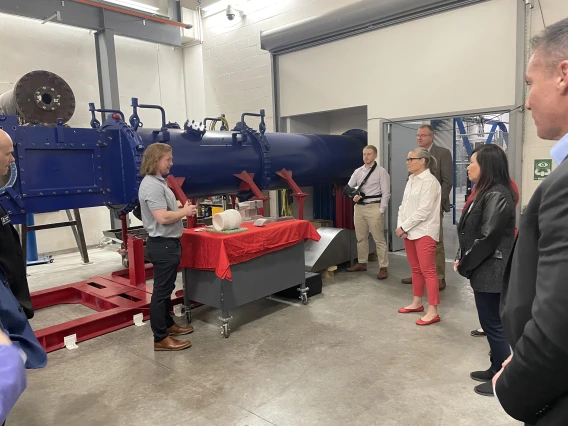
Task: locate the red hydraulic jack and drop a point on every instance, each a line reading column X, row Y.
column 298, row 194
column 248, row 184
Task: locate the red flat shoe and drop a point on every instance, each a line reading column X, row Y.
column 407, row 311
column 432, row 321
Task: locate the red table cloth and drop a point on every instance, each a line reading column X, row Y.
column 217, row 252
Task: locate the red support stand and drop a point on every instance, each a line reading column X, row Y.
column 136, row 266
column 175, row 185
column 248, row 184
column 298, row 194
column 343, row 209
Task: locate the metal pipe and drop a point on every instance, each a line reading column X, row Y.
column 128, row 12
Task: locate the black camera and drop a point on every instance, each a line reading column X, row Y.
column 351, row 192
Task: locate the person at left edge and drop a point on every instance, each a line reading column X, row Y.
column 15, row 301
column 11, row 256
column 13, row 378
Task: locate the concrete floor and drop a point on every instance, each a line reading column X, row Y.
column 348, row 358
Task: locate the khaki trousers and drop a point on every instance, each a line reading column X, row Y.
column 440, row 252
column 368, row 218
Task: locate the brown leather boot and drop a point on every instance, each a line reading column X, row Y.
column 383, row 274
column 406, row 280
column 171, row 344
column 178, row 330
column 373, row 257
column 442, row 284
column 358, row 267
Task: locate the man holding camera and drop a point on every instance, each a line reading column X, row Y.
column 369, row 187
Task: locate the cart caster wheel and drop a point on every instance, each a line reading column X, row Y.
column 51, row 260
column 188, row 316
column 304, row 298
column 225, row 331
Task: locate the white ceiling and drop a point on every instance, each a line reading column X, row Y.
column 192, row 4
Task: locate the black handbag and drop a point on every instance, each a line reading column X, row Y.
column 352, row 191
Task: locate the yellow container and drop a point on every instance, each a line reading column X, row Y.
column 216, row 210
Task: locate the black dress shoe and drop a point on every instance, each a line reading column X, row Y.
column 477, row 333
column 485, row 389
column 482, row 376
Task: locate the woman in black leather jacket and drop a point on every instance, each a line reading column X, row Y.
column 486, row 233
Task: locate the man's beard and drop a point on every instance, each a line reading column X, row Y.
column 4, row 179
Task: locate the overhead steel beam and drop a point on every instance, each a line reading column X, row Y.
column 106, row 69
column 174, row 10
column 108, row 83
column 93, row 17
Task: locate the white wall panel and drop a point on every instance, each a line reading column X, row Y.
column 416, row 68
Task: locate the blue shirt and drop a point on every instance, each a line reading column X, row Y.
column 560, row 150
column 12, row 379
column 15, row 324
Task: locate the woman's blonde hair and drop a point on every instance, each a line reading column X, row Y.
column 429, row 160
column 152, row 155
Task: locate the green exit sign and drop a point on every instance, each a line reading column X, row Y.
column 542, row 168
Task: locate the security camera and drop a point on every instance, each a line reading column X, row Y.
column 230, row 13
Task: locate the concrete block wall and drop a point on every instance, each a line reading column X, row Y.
column 152, row 73
column 238, row 75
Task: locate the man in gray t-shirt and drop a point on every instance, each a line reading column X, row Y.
column 163, row 221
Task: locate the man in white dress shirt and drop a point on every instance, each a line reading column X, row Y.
column 373, row 182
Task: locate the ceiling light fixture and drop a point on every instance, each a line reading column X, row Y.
column 135, row 5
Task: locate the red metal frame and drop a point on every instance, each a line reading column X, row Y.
column 248, row 184
column 116, row 297
column 298, row 194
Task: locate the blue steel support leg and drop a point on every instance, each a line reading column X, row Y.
column 32, row 257
column 31, row 242
column 491, row 133
column 465, row 139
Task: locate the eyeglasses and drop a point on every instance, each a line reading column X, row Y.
column 408, row 160
column 423, row 136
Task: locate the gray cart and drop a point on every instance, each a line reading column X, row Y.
column 251, row 280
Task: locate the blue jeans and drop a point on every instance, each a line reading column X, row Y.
column 488, row 311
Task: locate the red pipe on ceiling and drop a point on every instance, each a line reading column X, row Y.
column 129, row 12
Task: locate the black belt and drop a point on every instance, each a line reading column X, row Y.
column 373, row 202
column 163, row 239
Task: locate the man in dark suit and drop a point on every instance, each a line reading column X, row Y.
column 15, row 301
column 533, row 384
column 445, row 175
column 11, row 256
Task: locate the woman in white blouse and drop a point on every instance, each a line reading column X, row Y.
column 419, row 226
